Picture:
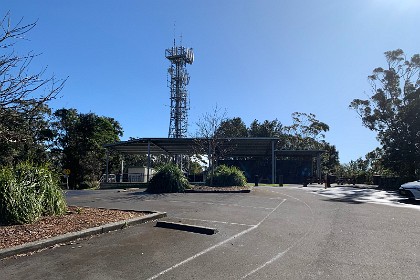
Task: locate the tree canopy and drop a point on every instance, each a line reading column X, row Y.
column 305, row 133
column 234, row 127
column 80, row 140
column 265, row 129
column 393, row 111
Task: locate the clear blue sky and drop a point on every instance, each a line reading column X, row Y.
column 258, row 59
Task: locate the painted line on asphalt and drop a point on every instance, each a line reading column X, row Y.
column 281, row 254
column 220, row 204
column 217, row 245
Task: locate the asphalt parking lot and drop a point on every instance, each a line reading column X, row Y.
column 271, row 233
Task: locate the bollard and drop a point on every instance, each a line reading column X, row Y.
column 256, row 180
column 281, row 181
column 327, row 181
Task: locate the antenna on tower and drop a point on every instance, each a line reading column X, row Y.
column 174, row 33
column 178, row 79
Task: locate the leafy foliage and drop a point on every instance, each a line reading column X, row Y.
column 306, row 132
column 364, row 170
column 90, row 185
column 195, row 168
column 28, row 192
column 79, row 144
column 168, row 179
column 329, row 159
column 234, row 127
column 225, row 176
column 392, row 110
column 265, row 129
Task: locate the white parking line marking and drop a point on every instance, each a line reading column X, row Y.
column 278, row 256
column 220, row 204
column 281, row 254
column 217, row 245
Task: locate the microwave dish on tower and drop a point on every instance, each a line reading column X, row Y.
column 178, row 79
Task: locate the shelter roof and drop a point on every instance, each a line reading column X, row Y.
column 261, row 146
column 233, row 147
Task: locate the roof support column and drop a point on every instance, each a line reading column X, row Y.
column 148, row 160
column 318, row 166
column 107, row 166
column 273, row 163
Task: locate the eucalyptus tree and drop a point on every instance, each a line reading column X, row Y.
column 393, row 111
column 305, row 132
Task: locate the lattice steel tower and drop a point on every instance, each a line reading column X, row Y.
column 178, row 80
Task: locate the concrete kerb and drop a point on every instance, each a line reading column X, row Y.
column 65, row 238
column 187, row 227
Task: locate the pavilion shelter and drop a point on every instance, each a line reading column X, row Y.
column 235, row 150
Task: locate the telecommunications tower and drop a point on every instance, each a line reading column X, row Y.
column 178, row 80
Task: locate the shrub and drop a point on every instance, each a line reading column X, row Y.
column 226, row 176
column 28, row 192
column 89, row 185
column 168, row 179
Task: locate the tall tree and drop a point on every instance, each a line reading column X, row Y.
column 393, row 111
column 234, row 128
column 265, row 129
column 330, row 160
column 306, row 132
column 23, row 98
column 80, row 140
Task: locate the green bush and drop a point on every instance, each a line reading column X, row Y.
column 28, row 192
column 168, row 179
column 89, row 185
column 226, row 176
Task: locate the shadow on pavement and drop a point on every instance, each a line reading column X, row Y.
column 359, row 195
column 409, row 201
column 355, row 196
